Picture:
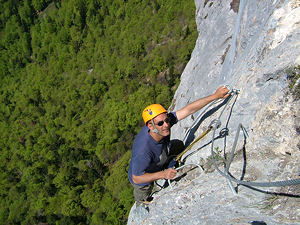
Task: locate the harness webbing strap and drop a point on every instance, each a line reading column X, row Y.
column 178, row 159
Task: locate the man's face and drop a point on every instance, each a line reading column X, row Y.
column 164, row 129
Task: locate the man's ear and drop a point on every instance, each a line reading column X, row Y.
column 149, row 125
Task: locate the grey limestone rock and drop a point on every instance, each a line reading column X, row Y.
column 248, row 45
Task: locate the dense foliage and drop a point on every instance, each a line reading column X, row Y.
column 293, row 73
column 74, row 77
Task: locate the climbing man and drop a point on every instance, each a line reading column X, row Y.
column 152, row 148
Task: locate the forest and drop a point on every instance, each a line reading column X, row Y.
column 74, row 78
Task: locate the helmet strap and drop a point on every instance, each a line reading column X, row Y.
column 155, row 129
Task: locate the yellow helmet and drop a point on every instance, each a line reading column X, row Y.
column 152, row 111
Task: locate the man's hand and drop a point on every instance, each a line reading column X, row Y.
column 169, row 173
column 222, row 92
column 149, row 177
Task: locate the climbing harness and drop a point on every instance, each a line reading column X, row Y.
column 215, row 122
column 178, row 158
column 225, row 74
column 214, row 125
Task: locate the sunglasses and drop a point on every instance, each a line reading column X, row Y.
column 160, row 123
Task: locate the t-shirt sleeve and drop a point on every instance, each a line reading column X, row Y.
column 140, row 163
column 173, row 118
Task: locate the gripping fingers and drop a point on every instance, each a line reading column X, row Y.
column 170, row 173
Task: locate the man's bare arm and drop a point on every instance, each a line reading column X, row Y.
column 149, row 177
column 221, row 92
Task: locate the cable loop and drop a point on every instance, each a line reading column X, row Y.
column 224, row 132
column 216, row 123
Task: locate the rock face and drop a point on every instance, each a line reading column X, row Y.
column 250, row 46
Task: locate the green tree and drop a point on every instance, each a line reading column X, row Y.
column 75, row 76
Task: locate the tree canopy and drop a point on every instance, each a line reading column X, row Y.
column 74, row 78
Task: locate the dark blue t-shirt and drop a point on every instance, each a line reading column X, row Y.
column 146, row 152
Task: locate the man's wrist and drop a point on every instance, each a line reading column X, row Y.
column 162, row 174
column 214, row 96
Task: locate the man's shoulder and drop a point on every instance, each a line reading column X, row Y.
column 143, row 134
column 142, row 139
